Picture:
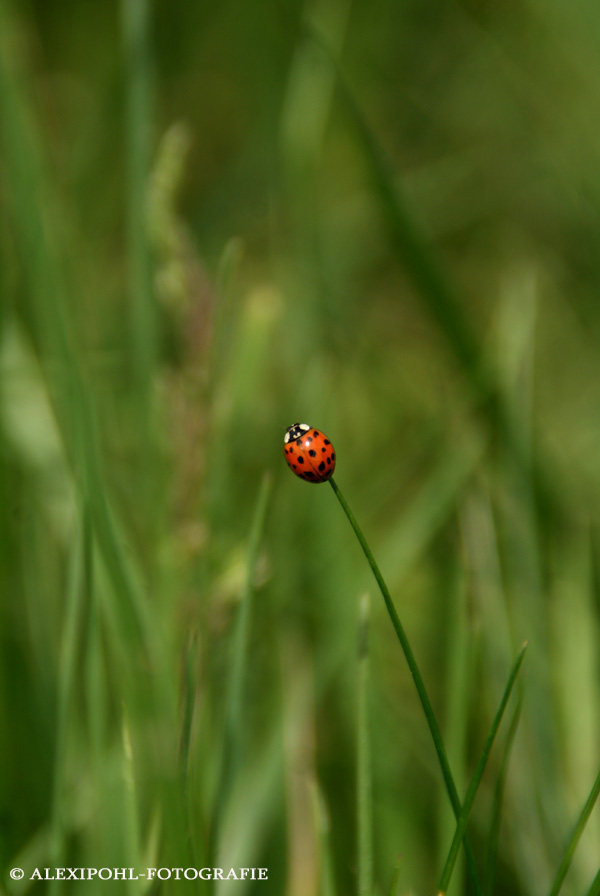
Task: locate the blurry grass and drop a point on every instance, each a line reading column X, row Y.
column 459, row 679
column 78, row 595
column 323, row 825
column 150, row 361
column 595, row 887
column 417, row 677
column 440, row 296
column 575, row 837
column 475, row 781
column 364, row 807
column 496, row 813
column 138, row 122
column 233, row 735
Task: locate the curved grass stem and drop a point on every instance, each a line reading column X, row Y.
column 574, row 839
column 467, row 805
column 417, row 678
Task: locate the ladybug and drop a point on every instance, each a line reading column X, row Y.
column 308, row 453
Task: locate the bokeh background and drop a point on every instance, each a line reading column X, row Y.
column 219, row 218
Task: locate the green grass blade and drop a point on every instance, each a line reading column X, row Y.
column 363, row 765
column 233, row 736
column 189, row 685
column 494, row 835
column 38, row 230
column 460, row 682
column 79, row 583
column 594, row 890
column 417, row 678
column 189, row 696
column 131, row 827
column 395, row 886
column 138, row 102
column 420, row 261
column 323, row 827
column 435, row 287
column 461, row 825
column 433, row 504
column 574, row 838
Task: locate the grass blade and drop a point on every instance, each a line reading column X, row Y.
column 38, row 228
column 436, row 288
column 574, row 838
column 417, row 678
column 77, row 594
column 395, row 887
column 323, row 826
column 594, row 890
column 461, row 826
column 233, row 708
column 135, row 15
column 189, row 687
column 189, row 696
column 131, row 827
column 493, row 838
column 420, row 261
column 363, row 765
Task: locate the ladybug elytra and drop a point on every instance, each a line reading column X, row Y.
column 308, row 453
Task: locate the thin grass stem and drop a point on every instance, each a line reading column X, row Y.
column 594, row 890
column 493, row 839
column 189, row 697
column 131, row 827
column 234, row 700
column 435, row 287
column 76, row 595
column 473, row 787
column 138, row 103
column 417, row 678
column 395, row 886
column 189, row 684
column 574, row 838
column 363, row 764
column 323, row 828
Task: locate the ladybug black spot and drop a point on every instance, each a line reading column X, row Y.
column 300, row 460
column 327, row 442
column 322, row 466
column 312, row 452
column 329, row 460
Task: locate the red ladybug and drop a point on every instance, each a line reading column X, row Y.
column 308, row 453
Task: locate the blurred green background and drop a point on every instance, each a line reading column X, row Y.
column 219, row 218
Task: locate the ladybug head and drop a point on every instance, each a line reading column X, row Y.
column 295, row 431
